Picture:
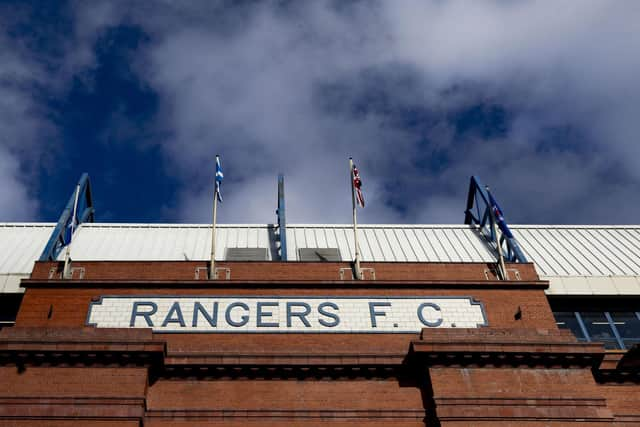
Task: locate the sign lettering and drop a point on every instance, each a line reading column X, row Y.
column 280, row 314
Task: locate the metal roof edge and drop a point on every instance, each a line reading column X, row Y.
column 361, row 225
column 27, row 224
column 575, row 226
column 178, row 225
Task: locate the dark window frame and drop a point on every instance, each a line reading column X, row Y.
column 611, row 323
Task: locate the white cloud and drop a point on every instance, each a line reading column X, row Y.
column 258, row 95
column 298, row 87
column 20, row 128
column 29, row 138
column 252, row 98
column 16, row 204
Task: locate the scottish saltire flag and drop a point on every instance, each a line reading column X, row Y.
column 497, row 213
column 72, row 224
column 219, row 177
column 357, row 184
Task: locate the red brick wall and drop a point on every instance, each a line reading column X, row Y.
column 282, row 271
column 179, row 391
column 80, row 422
column 298, row 398
column 511, row 394
column 68, row 308
column 73, row 382
column 279, row 422
column 89, row 394
column 624, row 400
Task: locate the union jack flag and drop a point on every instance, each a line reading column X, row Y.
column 357, row 184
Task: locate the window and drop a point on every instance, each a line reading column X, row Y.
column 628, row 326
column 9, row 305
column 615, row 329
column 613, row 321
column 600, row 329
column 568, row 320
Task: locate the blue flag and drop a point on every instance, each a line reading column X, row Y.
column 219, row 177
column 497, row 213
column 69, row 229
column 72, row 222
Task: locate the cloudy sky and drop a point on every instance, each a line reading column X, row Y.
column 539, row 99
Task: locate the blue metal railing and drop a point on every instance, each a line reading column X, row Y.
column 478, row 213
column 61, row 235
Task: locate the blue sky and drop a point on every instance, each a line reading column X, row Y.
column 539, row 99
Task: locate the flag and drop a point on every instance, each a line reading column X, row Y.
column 72, row 222
column 497, row 213
column 219, row 177
column 357, row 184
column 71, row 228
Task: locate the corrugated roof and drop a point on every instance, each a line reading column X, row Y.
column 398, row 243
column 570, row 252
column 582, row 251
column 584, row 260
column 556, row 250
column 21, row 245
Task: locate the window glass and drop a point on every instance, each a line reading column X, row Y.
column 628, row 326
column 599, row 329
column 628, row 343
column 613, row 321
column 9, row 304
column 567, row 320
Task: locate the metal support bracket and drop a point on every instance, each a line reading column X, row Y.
column 478, row 213
column 346, row 273
column 74, row 273
column 227, row 273
column 492, row 273
column 204, row 270
column 202, row 273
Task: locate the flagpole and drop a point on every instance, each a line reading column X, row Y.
column 358, row 272
column 66, row 271
column 503, row 268
column 212, row 270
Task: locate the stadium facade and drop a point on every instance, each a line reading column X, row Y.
column 435, row 333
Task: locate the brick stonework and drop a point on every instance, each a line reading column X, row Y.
column 520, row 370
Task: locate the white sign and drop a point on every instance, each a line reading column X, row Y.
column 280, row 314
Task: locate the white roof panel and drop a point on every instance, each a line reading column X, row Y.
column 581, row 251
column 395, row 243
column 21, row 244
column 572, row 252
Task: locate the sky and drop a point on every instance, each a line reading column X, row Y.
column 540, row 99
